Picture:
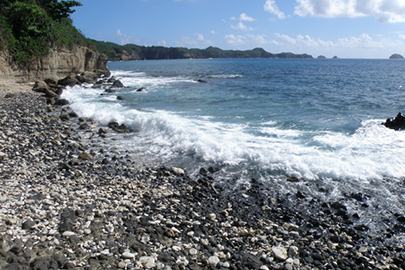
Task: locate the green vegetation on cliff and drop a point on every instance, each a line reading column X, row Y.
column 29, row 28
column 134, row 52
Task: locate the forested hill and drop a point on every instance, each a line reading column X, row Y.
column 117, row 52
column 38, row 41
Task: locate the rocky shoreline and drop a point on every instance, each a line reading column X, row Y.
column 70, row 201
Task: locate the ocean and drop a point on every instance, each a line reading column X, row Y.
column 318, row 120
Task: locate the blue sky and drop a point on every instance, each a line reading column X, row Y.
column 345, row 28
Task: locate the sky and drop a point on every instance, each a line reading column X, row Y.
column 342, row 28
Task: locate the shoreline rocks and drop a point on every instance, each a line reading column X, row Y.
column 69, row 201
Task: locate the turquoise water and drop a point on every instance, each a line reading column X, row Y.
column 319, row 120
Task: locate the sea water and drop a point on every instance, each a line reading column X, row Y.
column 315, row 119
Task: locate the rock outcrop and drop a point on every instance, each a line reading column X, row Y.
column 396, row 123
column 58, row 64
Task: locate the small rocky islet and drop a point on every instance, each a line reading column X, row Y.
column 69, row 200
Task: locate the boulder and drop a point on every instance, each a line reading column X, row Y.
column 141, row 89
column 112, row 79
column 87, row 77
column 397, row 123
column 117, row 84
column 201, row 81
column 119, row 128
column 41, row 87
column 52, row 82
column 62, row 102
column 69, row 80
column 51, row 94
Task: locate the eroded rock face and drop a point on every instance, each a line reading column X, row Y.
column 59, row 63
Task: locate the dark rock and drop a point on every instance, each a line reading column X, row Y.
column 203, row 171
column 84, row 126
column 64, row 117
column 120, row 98
column 52, row 82
column 300, row 195
column 87, row 77
column 109, row 90
column 73, row 114
column 102, row 131
column 58, row 90
column 251, row 261
column 117, row 84
column 67, row 220
column 213, row 169
column 397, row 123
column 62, row 102
column 40, row 87
column 141, row 89
column 293, row 179
column 28, row 224
column 85, row 156
column 112, row 79
column 201, row 81
column 10, row 95
column 119, row 128
column 69, row 80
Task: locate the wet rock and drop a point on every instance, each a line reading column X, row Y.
column 213, row 169
column 396, row 123
column 61, row 102
column 117, row 84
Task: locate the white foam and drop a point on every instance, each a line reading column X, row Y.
column 372, row 152
column 226, row 76
column 140, row 79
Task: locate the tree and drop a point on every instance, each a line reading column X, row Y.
column 58, row 10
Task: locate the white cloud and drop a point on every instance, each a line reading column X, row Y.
column 286, row 38
column 244, row 17
column 258, row 39
column 385, row 11
column 235, row 40
column 241, row 26
column 199, row 41
column 126, row 39
column 214, row 32
column 271, row 7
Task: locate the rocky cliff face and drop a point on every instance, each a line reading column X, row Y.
column 60, row 63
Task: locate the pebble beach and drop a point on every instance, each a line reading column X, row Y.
column 69, row 200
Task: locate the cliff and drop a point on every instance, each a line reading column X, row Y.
column 59, row 63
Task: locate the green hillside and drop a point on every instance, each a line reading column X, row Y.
column 135, row 52
column 29, row 28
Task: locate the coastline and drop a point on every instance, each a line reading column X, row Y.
column 63, row 209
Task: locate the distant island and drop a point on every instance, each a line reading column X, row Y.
column 127, row 52
column 335, row 57
column 321, row 57
column 396, row 56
